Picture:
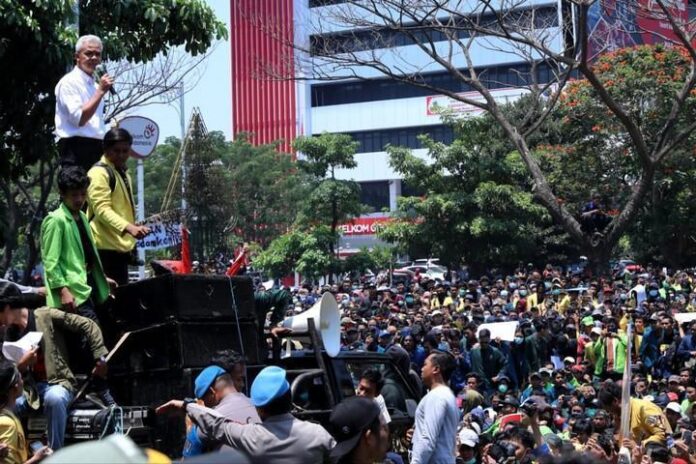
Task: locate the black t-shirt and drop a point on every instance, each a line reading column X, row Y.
column 86, row 244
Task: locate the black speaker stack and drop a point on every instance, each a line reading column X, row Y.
column 177, row 322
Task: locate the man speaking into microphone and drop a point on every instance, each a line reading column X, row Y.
column 80, row 106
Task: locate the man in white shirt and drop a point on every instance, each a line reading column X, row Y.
column 437, row 416
column 80, row 107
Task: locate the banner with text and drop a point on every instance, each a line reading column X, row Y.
column 165, row 231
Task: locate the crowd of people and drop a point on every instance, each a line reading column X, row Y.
column 555, row 387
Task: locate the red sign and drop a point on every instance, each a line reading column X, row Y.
column 364, row 225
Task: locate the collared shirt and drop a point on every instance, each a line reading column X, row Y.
column 281, row 438
column 73, row 91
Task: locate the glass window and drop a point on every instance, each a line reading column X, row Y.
column 395, row 391
column 388, row 89
column 375, row 194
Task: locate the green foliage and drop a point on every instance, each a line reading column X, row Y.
column 596, row 152
column 374, row 260
column 330, row 200
column 308, row 252
column 140, row 29
column 236, row 191
column 37, row 46
column 477, row 206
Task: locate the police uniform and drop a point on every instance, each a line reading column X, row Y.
column 281, row 438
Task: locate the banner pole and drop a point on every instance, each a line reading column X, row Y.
column 141, row 214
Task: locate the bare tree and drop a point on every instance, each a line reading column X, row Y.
column 352, row 39
column 154, row 82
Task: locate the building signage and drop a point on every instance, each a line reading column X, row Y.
column 363, row 225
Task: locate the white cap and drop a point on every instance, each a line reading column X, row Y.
column 674, row 407
column 468, row 437
column 597, row 330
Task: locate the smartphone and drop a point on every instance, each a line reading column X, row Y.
column 687, row 437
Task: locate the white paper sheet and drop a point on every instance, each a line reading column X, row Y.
column 15, row 350
column 503, row 330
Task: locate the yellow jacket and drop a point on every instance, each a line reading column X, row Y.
column 110, row 212
column 648, row 423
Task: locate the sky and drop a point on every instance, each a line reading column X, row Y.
column 212, row 94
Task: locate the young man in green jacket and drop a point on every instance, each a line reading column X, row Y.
column 73, row 272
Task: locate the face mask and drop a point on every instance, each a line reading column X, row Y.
column 518, row 340
column 513, row 286
column 623, row 296
column 470, row 461
column 653, row 292
column 502, row 388
column 523, row 292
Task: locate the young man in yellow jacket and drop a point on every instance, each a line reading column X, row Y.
column 111, row 206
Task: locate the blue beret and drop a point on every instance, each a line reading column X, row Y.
column 268, row 385
column 206, row 378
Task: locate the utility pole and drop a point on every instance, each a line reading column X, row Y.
column 182, row 121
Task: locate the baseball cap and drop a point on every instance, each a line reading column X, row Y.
column 348, row 421
column 569, row 359
column 468, row 437
column 437, row 312
column 674, row 407
column 115, row 448
column 384, row 333
column 597, row 330
column 269, row 384
column 587, row 320
column 674, row 378
column 206, row 378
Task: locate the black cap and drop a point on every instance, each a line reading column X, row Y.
column 348, row 421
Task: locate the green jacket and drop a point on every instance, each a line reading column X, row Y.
column 600, row 350
column 56, row 326
column 64, row 260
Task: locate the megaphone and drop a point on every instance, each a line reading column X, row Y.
column 326, row 319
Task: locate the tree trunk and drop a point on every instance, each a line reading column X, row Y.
column 599, row 259
column 12, row 225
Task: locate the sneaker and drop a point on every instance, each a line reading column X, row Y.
column 106, row 398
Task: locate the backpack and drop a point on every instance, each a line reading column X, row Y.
column 110, row 172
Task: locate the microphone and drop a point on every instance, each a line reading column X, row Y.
column 99, row 71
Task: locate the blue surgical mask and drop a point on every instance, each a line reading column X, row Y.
column 512, row 286
column 502, row 388
column 470, row 461
column 523, row 292
column 518, row 340
column 653, row 293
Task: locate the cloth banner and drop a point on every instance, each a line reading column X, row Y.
column 165, row 231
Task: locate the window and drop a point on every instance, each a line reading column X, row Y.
column 408, row 190
column 317, row 3
column 375, row 194
column 397, row 392
column 495, row 77
column 376, row 140
column 387, row 37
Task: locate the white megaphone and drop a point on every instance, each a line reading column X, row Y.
column 326, row 320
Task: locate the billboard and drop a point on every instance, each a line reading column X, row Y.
column 615, row 24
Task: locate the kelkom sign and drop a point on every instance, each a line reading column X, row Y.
column 363, row 225
column 145, row 134
column 436, row 104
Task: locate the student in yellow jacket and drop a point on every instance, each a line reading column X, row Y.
column 111, row 206
column 648, row 422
